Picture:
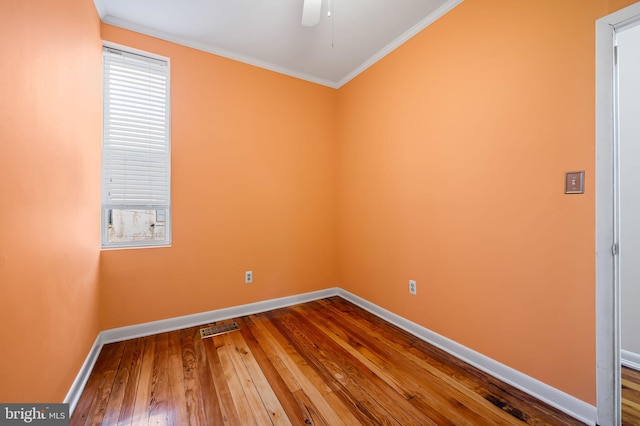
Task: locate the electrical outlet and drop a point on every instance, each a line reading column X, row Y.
column 412, row 287
column 248, row 277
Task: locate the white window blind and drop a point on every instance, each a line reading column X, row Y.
column 136, row 160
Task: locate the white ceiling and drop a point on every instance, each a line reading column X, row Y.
column 269, row 33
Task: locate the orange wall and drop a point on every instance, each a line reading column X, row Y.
column 442, row 163
column 50, row 89
column 253, row 188
column 614, row 5
column 453, row 151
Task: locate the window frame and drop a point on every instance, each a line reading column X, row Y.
column 105, row 208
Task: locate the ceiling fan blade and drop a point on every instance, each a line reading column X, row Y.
column 311, row 12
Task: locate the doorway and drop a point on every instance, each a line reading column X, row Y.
column 608, row 216
column 628, row 99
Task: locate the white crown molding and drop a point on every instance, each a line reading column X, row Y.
column 554, row 397
column 550, row 395
column 437, row 14
column 117, row 22
column 630, row 359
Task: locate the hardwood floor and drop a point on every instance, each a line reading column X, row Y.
column 326, row 362
column 630, row 397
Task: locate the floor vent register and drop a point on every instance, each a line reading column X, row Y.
column 216, row 330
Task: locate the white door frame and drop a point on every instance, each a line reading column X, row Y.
column 607, row 285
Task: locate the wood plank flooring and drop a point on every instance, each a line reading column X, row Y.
column 326, row 362
column 630, row 397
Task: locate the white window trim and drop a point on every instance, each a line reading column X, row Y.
column 105, row 245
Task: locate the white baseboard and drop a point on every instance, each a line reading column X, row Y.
column 630, row 359
column 81, row 379
column 554, row 397
column 177, row 323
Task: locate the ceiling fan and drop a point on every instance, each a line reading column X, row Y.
column 311, row 10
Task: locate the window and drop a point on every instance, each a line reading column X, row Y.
column 136, row 155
